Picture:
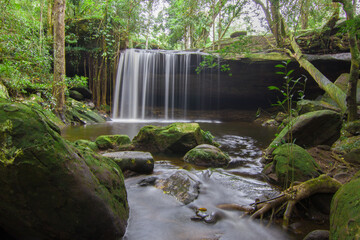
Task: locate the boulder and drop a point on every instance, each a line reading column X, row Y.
column 206, row 155
column 180, row 185
column 84, row 91
column 52, row 190
column 310, row 129
column 79, row 113
column 86, row 143
column 305, row 106
column 105, row 142
column 175, row 138
column 317, row 235
column 140, row 162
column 349, row 147
column 293, row 163
column 353, row 128
column 345, row 211
column 76, row 95
column 3, row 92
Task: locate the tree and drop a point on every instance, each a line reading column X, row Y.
column 58, row 89
column 352, row 27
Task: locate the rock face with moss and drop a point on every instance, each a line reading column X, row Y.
column 3, row 92
column 105, row 142
column 207, row 156
column 291, row 163
column 175, row 138
column 77, row 112
column 140, row 162
column 345, row 211
column 52, row 190
column 311, row 129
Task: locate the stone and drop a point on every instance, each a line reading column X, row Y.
column 76, row 95
column 353, row 156
column 317, row 235
column 280, row 117
column 3, row 91
column 181, row 186
column 177, row 138
column 293, row 163
column 345, row 211
column 84, row 91
column 105, row 142
column 305, row 106
column 347, row 144
column 86, row 143
column 310, row 129
column 206, row 155
column 79, row 113
column 353, row 127
column 140, row 162
column 51, row 189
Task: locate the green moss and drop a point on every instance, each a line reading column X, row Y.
column 77, row 112
column 293, row 163
column 86, row 143
column 207, row 156
column 112, row 141
column 3, row 92
column 345, row 212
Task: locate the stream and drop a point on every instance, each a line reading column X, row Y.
column 158, row 216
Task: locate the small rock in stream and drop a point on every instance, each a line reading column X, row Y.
column 150, row 181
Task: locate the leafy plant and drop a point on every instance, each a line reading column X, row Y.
column 76, row 81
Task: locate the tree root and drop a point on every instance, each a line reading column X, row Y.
column 289, row 198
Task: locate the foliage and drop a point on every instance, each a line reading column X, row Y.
column 76, row 81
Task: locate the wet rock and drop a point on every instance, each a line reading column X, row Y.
column 317, row 235
column 310, row 129
column 180, row 185
column 345, row 211
column 207, row 156
column 105, row 142
column 292, row 163
column 150, row 181
column 54, row 190
column 140, row 162
column 305, row 106
column 85, row 92
column 175, row 138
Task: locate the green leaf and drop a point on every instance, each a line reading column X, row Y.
column 280, row 73
column 273, row 88
column 280, row 66
column 289, row 72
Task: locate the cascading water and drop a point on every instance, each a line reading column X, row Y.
column 159, row 84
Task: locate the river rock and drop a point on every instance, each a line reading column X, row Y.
column 175, row 138
column 311, row 129
column 294, row 164
column 345, row 211
column 79, row 113
column 140, row 162
column 3, row 92
column 52, row 190
column 317, row 235
column 207, row 156
column 105, row 142
column 180, row 185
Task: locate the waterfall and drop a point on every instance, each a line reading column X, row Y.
column 159, row 84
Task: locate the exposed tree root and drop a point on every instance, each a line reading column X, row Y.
column 289, row 198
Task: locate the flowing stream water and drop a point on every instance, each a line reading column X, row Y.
column 158, row 216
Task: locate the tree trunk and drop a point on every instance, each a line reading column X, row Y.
column 58, row 88
column 304, row 14
column 349, row 8
column 50, row 18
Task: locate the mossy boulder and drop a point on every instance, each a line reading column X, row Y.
column 52, row 190
column 353, row 128
column 3, row 91
column 76, row 95
column 140, row 162
column 305, row 106
column 310, row 129
column 105, row 142
column 79, row 113
column 207, row 156
column 293, row 163
column 175, row 138
column 345, row 212
column 87, row 144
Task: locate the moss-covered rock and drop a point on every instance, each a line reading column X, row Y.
column 207, row 156
column 345, row 212
column 52, row 190
column 79, row 113
column 174, row 138
column 310, row 129
column 305, row 106
column 76, row 95
column 87, row 144
column 293, row 163
column 3, row 92
column 112, row 141
column 140, row 162
column 353, row 127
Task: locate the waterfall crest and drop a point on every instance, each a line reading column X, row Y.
column 159, row 84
